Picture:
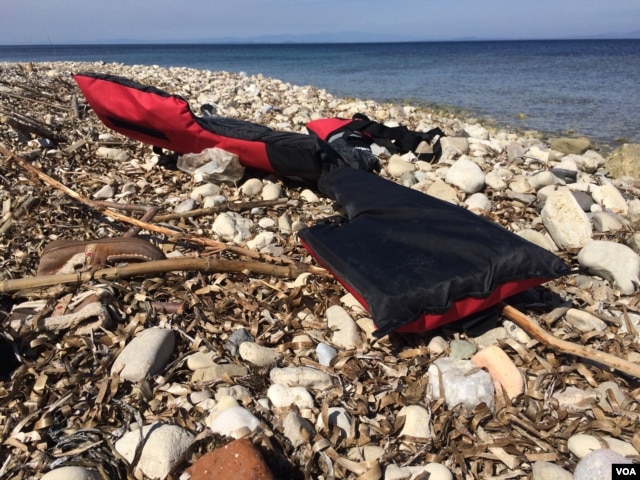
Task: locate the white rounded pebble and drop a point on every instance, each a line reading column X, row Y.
column 538, row 238
column 338, row 417
column 549, row 471
column 466, row 175
column 234, row 422
column 416, row 422
column 266, row 222
column 398, row 167
column 163, row 448
column 271, row 191
column 71, row 473
column 581, row 444
column 185, row 206
column 584, row 321
column 614, row 262
column 113, row 154
column 478, row 203
column 597, row 465
column 346, row 333
column 301, row 377
column 297, row 429
column 565, row 221
column 258, row 354
column 262, row 240
column 435, row 471
column 106, row 191
column 309, row 196
column 610, row 198
column 251, row 187
column 283, row 396
column 325, row 354
column 145, row 355
column 206, row 190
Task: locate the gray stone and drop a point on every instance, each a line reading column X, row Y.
column 461, row 350
column 145, row 355
column 302, row 377
column 325, row 354
column 584, row 321
column 236, row 338
column 584, row 200
column 570, row 145
column 614, row 262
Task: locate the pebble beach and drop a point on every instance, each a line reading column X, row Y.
column 178, row 375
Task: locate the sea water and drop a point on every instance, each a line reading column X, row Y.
column 582, row 87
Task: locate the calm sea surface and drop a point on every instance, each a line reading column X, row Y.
column 590, row 87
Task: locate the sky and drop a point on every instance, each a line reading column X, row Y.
column 33, row 22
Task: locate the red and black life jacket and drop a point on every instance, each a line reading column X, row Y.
column 157, row 118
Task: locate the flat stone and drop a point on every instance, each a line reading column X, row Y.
column 301, row 377
column 549, row 471
column 164, row 446
column 258, row 355
column 433, row 471
column 346, row 333
column 145, row 355
column 575, row 400
column 416, row 423
column 396, row 167
column 283, row 396
column 115, row 154
column 606, row 222
column 71, row 473
column 337, row 417
column 238, row 460
column 610, row 198
column 584, row 321
column 297, row 429
column 570, row 145
column 614, row 262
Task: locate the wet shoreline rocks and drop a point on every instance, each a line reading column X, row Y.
column 290, row 365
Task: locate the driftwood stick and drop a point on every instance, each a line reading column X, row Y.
column 154, row 267
column 234, row 207
column 532, row 328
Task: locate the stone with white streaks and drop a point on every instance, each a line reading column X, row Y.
column 565, row 221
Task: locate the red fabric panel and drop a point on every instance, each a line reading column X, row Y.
column 168, row 114
column 324, row 127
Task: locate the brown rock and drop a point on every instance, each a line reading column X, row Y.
column 625, row 161
column 570, row 145
column 238, row 460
